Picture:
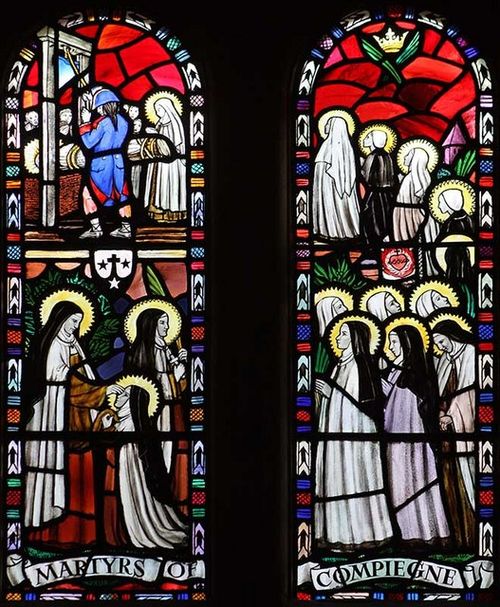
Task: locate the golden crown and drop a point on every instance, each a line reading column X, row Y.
column 391, row 42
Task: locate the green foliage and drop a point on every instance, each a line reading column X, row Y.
column 465, row 163
column 372, row 51
column 322, row 359
column 154, row 283
column 37, row 288
column 451, row 558
column 29, row 326
column 102, row 338
column 107, row 323
column 79, row 280
column 35, row 291
column 36, row 554
column 378, row 55
column 443, row 173
column 340, row 274
column 328, row 560
column 410, row 49
column 469, row 300
column 392, row 70
column 104, row 305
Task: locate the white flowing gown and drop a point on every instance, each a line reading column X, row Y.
column 165, row 191
column 346, row 470
column 149, row 523
column 335, row 198
column 45, row 498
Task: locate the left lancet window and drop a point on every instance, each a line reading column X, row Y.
column 104, row 320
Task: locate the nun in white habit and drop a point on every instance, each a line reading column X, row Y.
column 350, row 510
column 150, row 518
column 456, row 376
column 165, row 192
column 382, row 305
column 430, row 301
column 335, row 198
column 409, row 212
column 327, row 309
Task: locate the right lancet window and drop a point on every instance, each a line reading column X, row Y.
column 393, row 323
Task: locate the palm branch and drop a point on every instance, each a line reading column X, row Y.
column 340, row 273
column 153, row 282
column 410, row 49
column 372, row 51
column 465, row 163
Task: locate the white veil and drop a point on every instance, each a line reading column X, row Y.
column 336, row 151
column 170, row 124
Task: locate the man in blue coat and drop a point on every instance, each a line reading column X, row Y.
column 104, row 140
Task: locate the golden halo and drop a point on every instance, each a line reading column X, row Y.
column 433, row 285
column 441, row 251
column 396, row 293
column 452, row 184
column 174, row 318
column 402, row 321
column 338, row 113
column 392, row 138
column 374, row 332
column 460, row 320
column 423, row 144
column 69, row 295
column 149, row 104
column 140, row 382
column 346, row 297
column 32, row 156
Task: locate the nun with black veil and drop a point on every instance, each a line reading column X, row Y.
column 156, row 354
column 351, row 511
column 456, row 372
column 458, row 227
column 150, row 519
column 59, row 505
column 411, row 407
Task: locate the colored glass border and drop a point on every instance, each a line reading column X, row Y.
column 302, row 397
column 13, row 279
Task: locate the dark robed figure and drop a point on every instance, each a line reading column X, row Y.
column 378, row 172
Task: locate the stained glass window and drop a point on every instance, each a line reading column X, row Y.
column 393, row 323
column 103, row 422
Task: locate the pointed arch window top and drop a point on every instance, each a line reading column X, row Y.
column 392, row 197
column 104, row 383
